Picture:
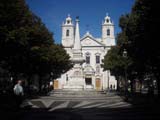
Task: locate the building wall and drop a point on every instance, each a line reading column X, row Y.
column 104, row 76
column 101, row 80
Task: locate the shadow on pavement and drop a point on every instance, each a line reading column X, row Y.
column 141, row 108
column 134, row 113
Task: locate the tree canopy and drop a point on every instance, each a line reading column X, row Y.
column 139, row 36
column 26, row 45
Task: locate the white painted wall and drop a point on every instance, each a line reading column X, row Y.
column 93, row 46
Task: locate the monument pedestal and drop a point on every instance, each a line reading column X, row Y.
column 75, row 83
column 73, row 87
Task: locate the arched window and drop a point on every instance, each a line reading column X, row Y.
column 108, row 32
column 87, row 58
column 97, row 59
column 67, row 33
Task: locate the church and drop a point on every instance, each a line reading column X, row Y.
column 86, row 53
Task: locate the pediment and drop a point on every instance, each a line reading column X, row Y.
column 89, row 41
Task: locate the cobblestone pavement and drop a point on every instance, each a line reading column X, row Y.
column 84, row 106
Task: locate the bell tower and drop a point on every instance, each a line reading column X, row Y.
column 108, row 37
column 68, row 32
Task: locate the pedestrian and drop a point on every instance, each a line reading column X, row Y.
column 18, row 91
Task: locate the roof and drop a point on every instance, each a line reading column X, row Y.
column 89, row 40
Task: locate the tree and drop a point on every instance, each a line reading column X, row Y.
column 26, row 45
column 142, row 31
column 139, row 37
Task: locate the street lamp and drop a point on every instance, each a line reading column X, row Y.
column 125, row 68
column 124, row 53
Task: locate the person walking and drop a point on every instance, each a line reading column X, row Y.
column 18, row 91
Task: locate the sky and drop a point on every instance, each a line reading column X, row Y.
column 90, row 12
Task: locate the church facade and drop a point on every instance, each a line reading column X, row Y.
column 86, row 53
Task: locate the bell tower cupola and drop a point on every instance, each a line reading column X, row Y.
column 68, row 32
column 108, row 37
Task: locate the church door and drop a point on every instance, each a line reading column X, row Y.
column 55, row 84
column 88, row 81
column 98, row 84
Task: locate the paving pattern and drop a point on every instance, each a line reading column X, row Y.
column 67, row 99
column 68, row 105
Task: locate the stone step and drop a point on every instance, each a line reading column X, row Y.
column 86, row 96
column 78, row 96
column 82, row 98
column 76, row 92
column 61, row 94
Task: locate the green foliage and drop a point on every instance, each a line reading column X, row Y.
column 123, row 21
column 26, row 45
column 115, row 62
column 122, row 39
column 139, row 37
column 114, row 59
column 142, row 32
column 59, row 61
